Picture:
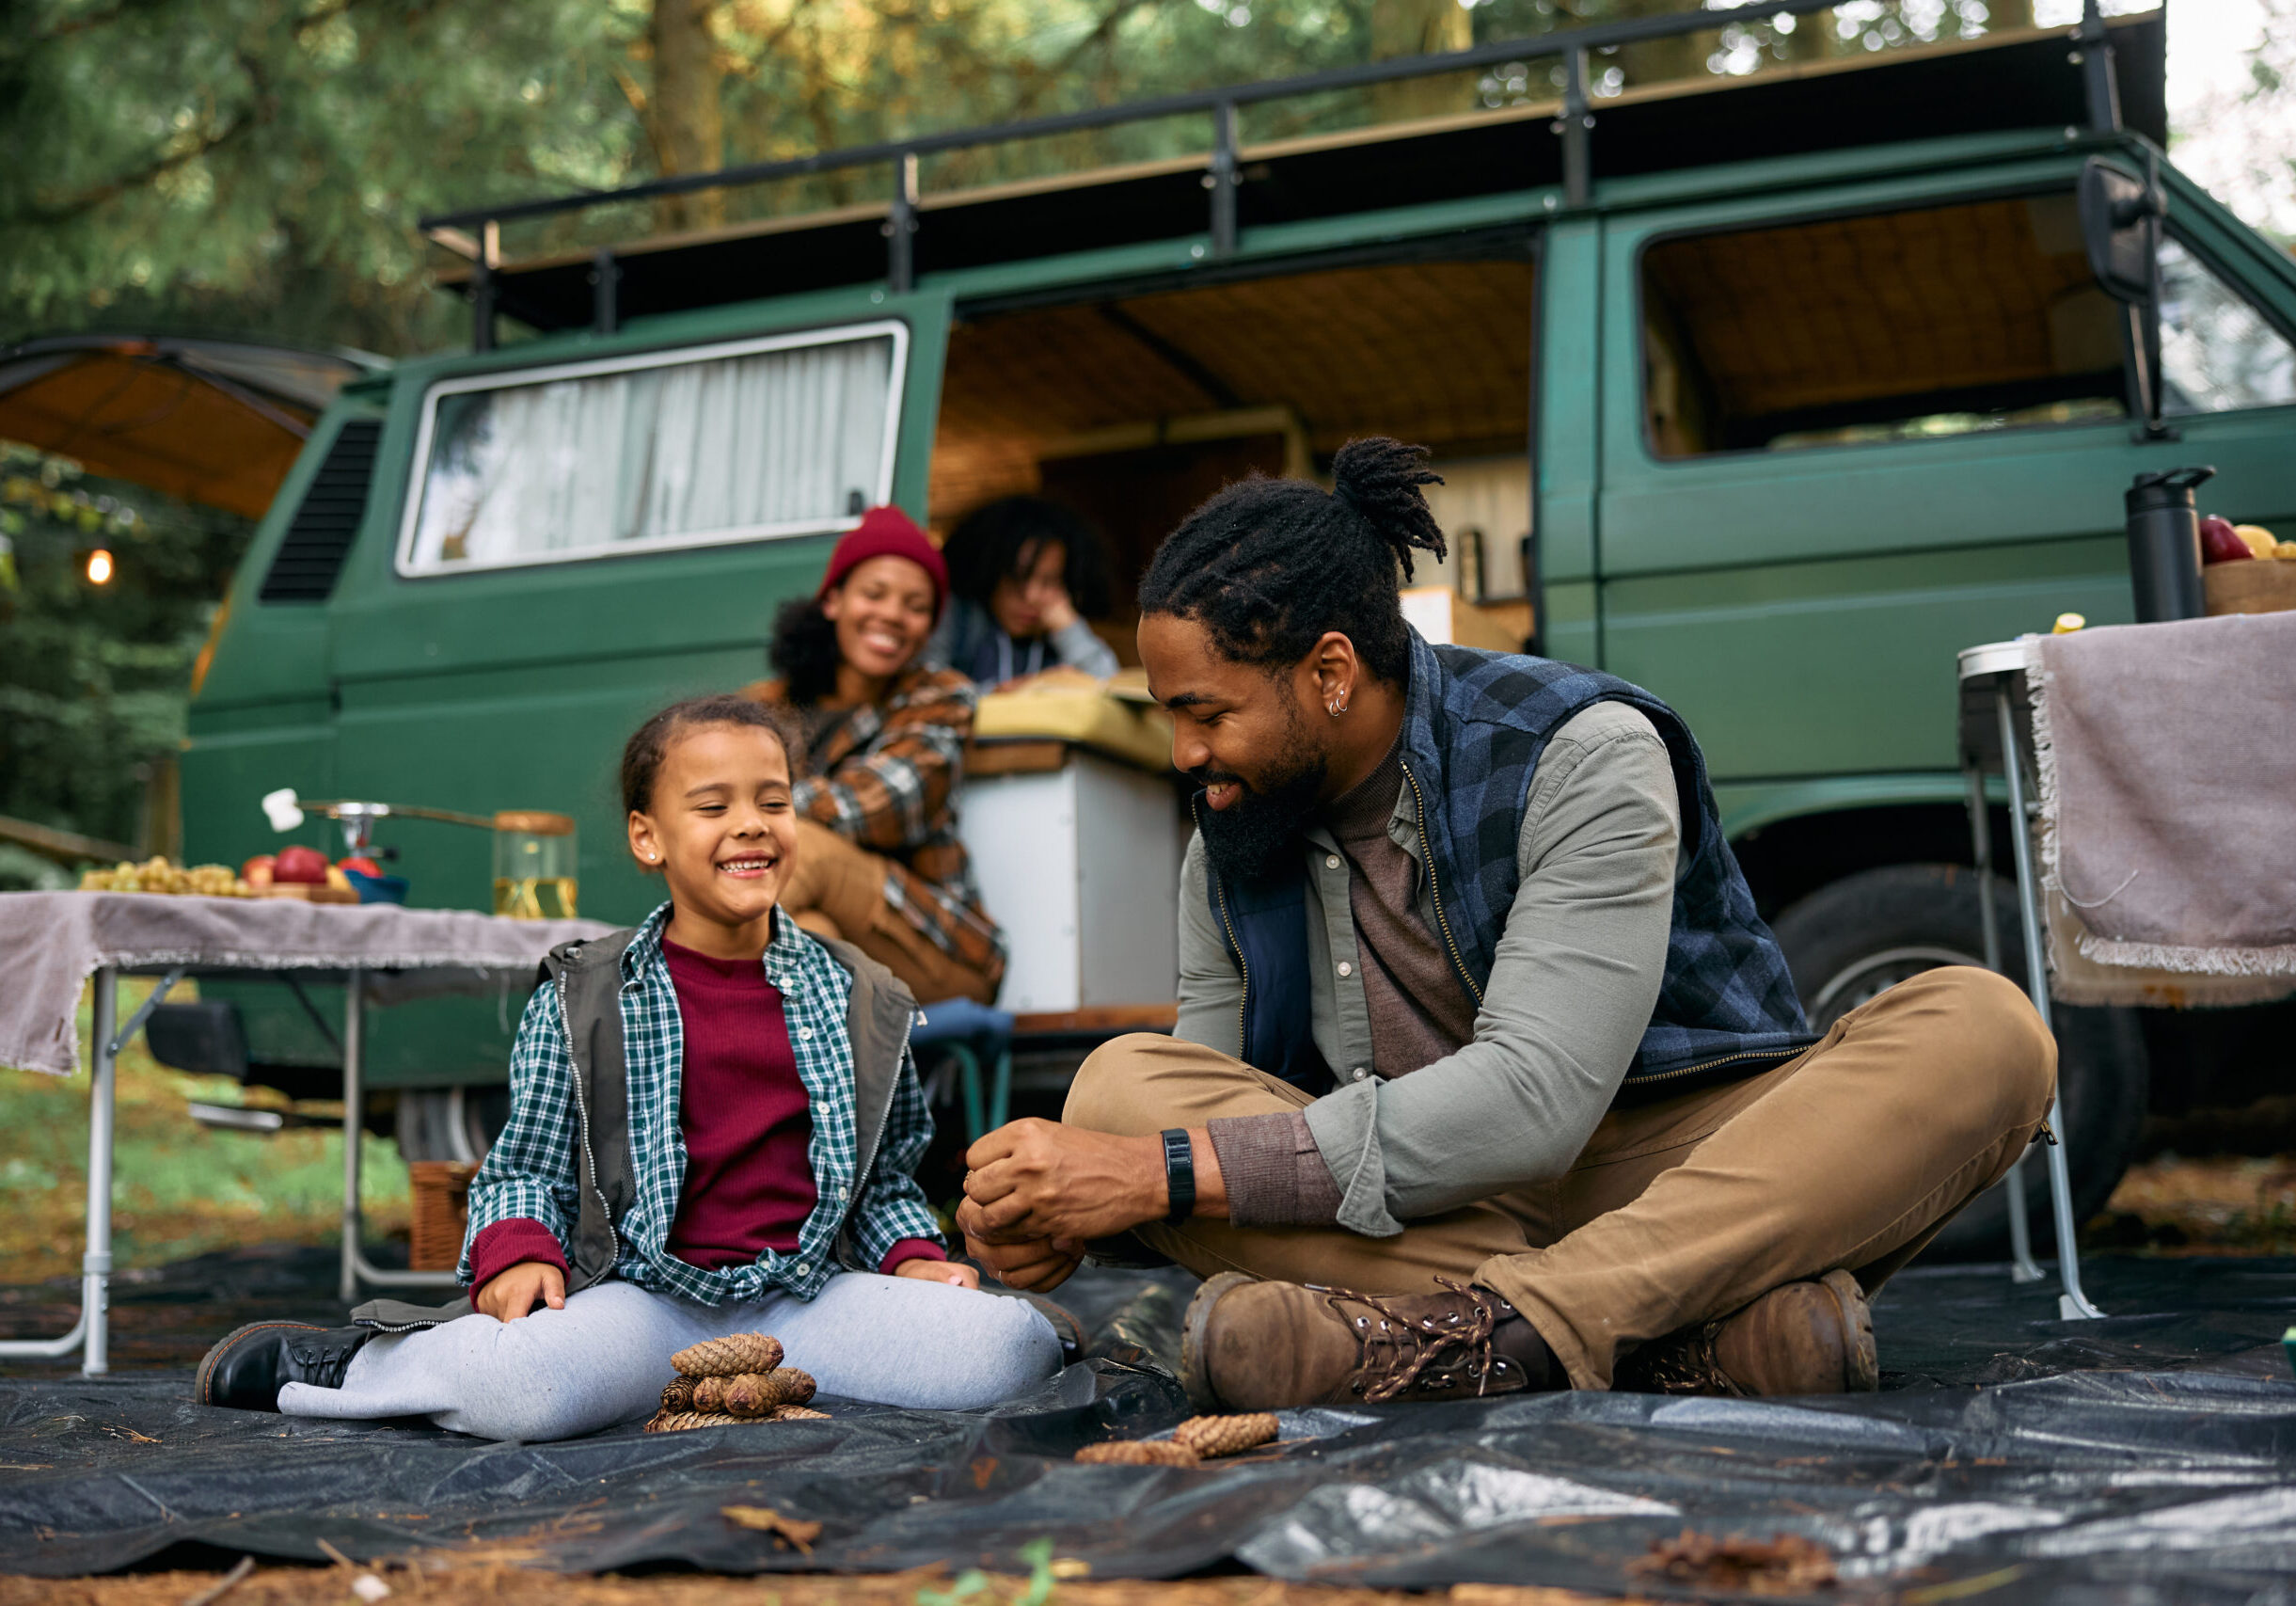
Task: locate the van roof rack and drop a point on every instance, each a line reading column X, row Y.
column 2099, row 76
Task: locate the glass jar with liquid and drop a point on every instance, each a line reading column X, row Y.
column 533, row 865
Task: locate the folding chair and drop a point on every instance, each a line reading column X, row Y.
column 962, row 1036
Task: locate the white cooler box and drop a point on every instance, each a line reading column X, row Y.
column 1081, row 867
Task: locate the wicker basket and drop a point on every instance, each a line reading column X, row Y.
column 441, row 1190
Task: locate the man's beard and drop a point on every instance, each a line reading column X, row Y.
column 1245, row 838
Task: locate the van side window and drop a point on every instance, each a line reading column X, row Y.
column 1895, row 326
column 2217, row 353
column 786, row 435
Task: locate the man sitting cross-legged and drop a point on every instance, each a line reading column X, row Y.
column 1487, row 1076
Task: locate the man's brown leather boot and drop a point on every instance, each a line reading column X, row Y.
column 1801, row 1338
column 1249, row 1345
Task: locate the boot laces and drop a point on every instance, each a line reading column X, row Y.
column 1404, row 1351
column 1682, row 1362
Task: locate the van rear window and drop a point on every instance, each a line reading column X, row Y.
column 791, row 435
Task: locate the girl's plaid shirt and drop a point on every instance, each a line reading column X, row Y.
column 531, row 1171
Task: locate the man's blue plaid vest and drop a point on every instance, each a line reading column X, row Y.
column 1474, row 726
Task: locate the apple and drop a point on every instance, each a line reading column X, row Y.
column 2220, row 543
column 305, row 866
column 361, row 863
column 257, row 871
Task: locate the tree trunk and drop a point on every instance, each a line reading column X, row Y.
column 1419, row 28
column 689, row 127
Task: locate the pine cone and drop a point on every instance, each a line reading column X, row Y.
column 729, row 1357
column 678, row 1395
column 756, row 1394
column 1138, row 1453
column 678, row 1421
column 796, row 1413
column 709, row 1394
column 1210, row 1436
column 751, row 1395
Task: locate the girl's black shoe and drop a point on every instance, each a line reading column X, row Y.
column 247, row 1369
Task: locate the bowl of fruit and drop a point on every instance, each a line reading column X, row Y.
column 2244, row 569
column 299, row 872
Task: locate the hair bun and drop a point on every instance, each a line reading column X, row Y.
column 1379, row 478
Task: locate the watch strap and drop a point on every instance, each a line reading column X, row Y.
column 1179, row 1175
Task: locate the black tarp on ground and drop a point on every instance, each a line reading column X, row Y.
column 2152, row 1456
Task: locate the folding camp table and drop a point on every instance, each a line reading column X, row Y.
column 1996, row 736
column 419, row 951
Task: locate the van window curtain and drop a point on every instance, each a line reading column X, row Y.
column 771, row 442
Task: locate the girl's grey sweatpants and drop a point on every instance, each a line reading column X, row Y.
column 603, row 1360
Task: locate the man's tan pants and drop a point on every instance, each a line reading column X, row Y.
column 1852, row 1154
column 838, row 890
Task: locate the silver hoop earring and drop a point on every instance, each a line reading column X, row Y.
column 1337, row 709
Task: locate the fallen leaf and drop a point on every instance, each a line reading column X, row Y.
column 1787, row 1564
column 794, row 1532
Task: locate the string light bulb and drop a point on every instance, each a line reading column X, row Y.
column 100, row 566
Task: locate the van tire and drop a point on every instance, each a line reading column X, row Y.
column 1853, row 938
column 450, row 1123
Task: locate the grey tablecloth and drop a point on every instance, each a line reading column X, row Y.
column 51, row 942
column 2168, row 790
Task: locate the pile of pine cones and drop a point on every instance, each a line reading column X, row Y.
column 722, row 1382
column 1199, row 1438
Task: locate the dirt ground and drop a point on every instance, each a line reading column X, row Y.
column 280, row 1586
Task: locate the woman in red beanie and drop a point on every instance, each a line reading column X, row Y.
column 883, row 739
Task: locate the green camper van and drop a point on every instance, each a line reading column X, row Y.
column 1768, row 393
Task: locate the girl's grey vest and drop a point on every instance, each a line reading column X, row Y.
column 590, row 970
column 1474, row 725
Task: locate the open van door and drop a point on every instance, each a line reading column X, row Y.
column 1846, row 435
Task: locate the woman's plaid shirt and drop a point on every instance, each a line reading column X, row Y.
column 531, row 1171
column 885, row 777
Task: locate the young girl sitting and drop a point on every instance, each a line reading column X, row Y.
column 714, row 1120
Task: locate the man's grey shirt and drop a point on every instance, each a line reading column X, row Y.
column 1572, row 984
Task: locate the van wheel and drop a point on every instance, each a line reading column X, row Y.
column 1856, row 938
column 450, row 1123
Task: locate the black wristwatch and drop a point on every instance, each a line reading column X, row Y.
column 1179, row 1175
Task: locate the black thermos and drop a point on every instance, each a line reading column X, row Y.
column 2165, row 546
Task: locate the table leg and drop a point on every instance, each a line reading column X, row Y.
column 356, row 1268
column 96, row 1265
column 354, row 1129
column 2073, row 1304
column 89, row 1334
column 2023, row 1268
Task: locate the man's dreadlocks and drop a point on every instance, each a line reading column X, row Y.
column 1268, row 567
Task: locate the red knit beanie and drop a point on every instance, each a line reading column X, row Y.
column 882, row 533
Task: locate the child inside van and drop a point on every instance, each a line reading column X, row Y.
column 1024, row 573
column 714, row 1123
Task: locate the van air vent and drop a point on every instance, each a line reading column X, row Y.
column 319, row 540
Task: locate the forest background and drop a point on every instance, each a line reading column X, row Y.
column 256, row 167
